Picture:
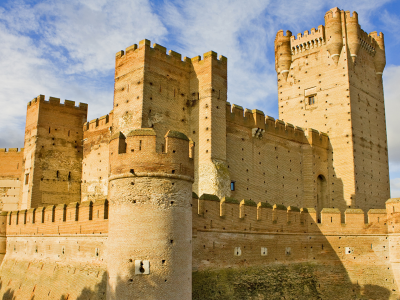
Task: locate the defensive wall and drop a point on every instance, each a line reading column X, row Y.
column 55, row 252
column 271, row 159
column 251, row 136
column 95, row 162
column 332, row 257
column 11, row 167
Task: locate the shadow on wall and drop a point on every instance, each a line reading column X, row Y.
column 295, row 263
column 273, row 281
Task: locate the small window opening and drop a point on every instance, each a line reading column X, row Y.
column 233, row 185
column 140, row 145
column 311, row 100
column 26, row 178
column 69, row 176
column 49, row 129
column 58, row 174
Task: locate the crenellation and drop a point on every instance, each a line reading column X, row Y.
column 308, row 40
column 60, row 219
column 171, row 136
column 56, row 102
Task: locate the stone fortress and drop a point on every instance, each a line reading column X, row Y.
column 178, row 194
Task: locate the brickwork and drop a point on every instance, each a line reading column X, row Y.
column 226, row 234
column 150, row 216
column 53, row 152
column 338, row 68
column 280, row 163
column 95, row 163
column 11, row 166
column 171, row 136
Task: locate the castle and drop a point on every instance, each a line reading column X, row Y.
column 179, row 194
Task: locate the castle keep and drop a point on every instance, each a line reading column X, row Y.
column 179, row 194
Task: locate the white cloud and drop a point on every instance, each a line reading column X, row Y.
column 65, row 49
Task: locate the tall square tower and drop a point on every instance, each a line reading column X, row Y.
column 330, row 79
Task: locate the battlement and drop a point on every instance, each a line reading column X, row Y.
column 351, row 17
column 377, row 36
column 84, row 218
column 171, row 56
column 136, row 154
column 99, row 123
column 56, row 102
column 229, row 214
column 11, row 150
column 308, row 40
column 281, row 33
column 333, row 13
column 255, row 119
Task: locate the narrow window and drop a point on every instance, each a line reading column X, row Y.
column 69, row 176
column 140, row 145
column 232, row 185
column 49, row 129
column 26, row 178
column 69, row 132
column 311, row 100
column 58, row 174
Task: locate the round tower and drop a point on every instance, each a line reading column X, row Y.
column 333, row 33
column 353, row 34
column 283, row 54
column 150, row 219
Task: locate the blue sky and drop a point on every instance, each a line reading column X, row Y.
column 66, row 49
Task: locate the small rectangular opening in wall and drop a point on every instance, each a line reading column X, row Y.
column 238, row 251
column 26, row 178
column 264, row 251
column 142, row 267
column 233, row 185
column 348, row 250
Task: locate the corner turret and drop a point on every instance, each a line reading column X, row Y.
column 379, row 58
column 333, row 32
column 353, row 33
column 283, row 56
